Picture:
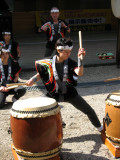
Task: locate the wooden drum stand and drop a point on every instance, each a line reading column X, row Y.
column 115, row 150
column 111, row 129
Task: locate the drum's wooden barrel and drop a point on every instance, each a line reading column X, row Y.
column 116, row 8
column 112, row 117
column 36, row 128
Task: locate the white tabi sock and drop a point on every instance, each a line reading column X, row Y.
column 100, row 128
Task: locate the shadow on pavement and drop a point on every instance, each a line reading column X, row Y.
column 79, row 156
column 90, row 137
column 66, row 155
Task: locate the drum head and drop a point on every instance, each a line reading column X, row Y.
column 116, row 7
column 113, row 98
column 34, row 107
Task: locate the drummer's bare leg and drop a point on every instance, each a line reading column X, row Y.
column 79, row 103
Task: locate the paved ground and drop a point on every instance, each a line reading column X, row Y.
column 80, row 140
column 33, row 47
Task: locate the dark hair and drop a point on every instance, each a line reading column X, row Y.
column 54, row 7
column 63, row 42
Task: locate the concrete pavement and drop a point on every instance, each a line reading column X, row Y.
column 33, row 47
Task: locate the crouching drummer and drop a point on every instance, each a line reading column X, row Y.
column 9, row 73
column 59, row 77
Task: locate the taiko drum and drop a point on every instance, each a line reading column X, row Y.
column 36, row 127
column 115, row 5
column 112, row 117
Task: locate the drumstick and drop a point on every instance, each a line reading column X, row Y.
column 80, row 43
column 12, row 87
column 18, row 84
column 112, row 79
column 14, row 84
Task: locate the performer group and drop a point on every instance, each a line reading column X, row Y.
column 57, row 70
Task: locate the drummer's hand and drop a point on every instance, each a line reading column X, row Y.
column 45, row 27
column 65, row 26
column 30, row 82
column 82, row 52
column 16, row 78
column 4, row 89
column 39, row 29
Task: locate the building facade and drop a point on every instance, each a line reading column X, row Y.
column 85, row 15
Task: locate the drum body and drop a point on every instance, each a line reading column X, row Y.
column 116, row 7
column 112, row 117
column 36, row 128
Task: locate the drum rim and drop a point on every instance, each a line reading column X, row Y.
column 34, row 114
column 27, row 111
column 117, row 140
column 42, row 155
column 111, row 101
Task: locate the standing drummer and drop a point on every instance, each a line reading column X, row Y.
column 9, row 73
column 55, row 29
column 59, row 77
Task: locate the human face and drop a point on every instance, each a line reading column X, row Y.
column 63, row 54
column 55, row 16
column 7, row 38
column 5, row 56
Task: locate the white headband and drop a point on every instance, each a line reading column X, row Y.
column 6, row 32
column 64, row 47
column 5, row 50
column 54, row 10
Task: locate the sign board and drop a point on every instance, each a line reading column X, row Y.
column 84, row 20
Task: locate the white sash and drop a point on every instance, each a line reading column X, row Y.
column 3, row 79
column 60, row 85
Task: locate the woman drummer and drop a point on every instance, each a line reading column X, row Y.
column 59, row 77
column 9, row 73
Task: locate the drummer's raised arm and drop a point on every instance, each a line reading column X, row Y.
column 79, row 69
column 32, row 80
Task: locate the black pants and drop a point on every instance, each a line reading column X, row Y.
column 17, row 92
column 79, row 103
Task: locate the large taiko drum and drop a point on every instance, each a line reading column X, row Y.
column 112, row 117
column 36, row 127
column 116, row 7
